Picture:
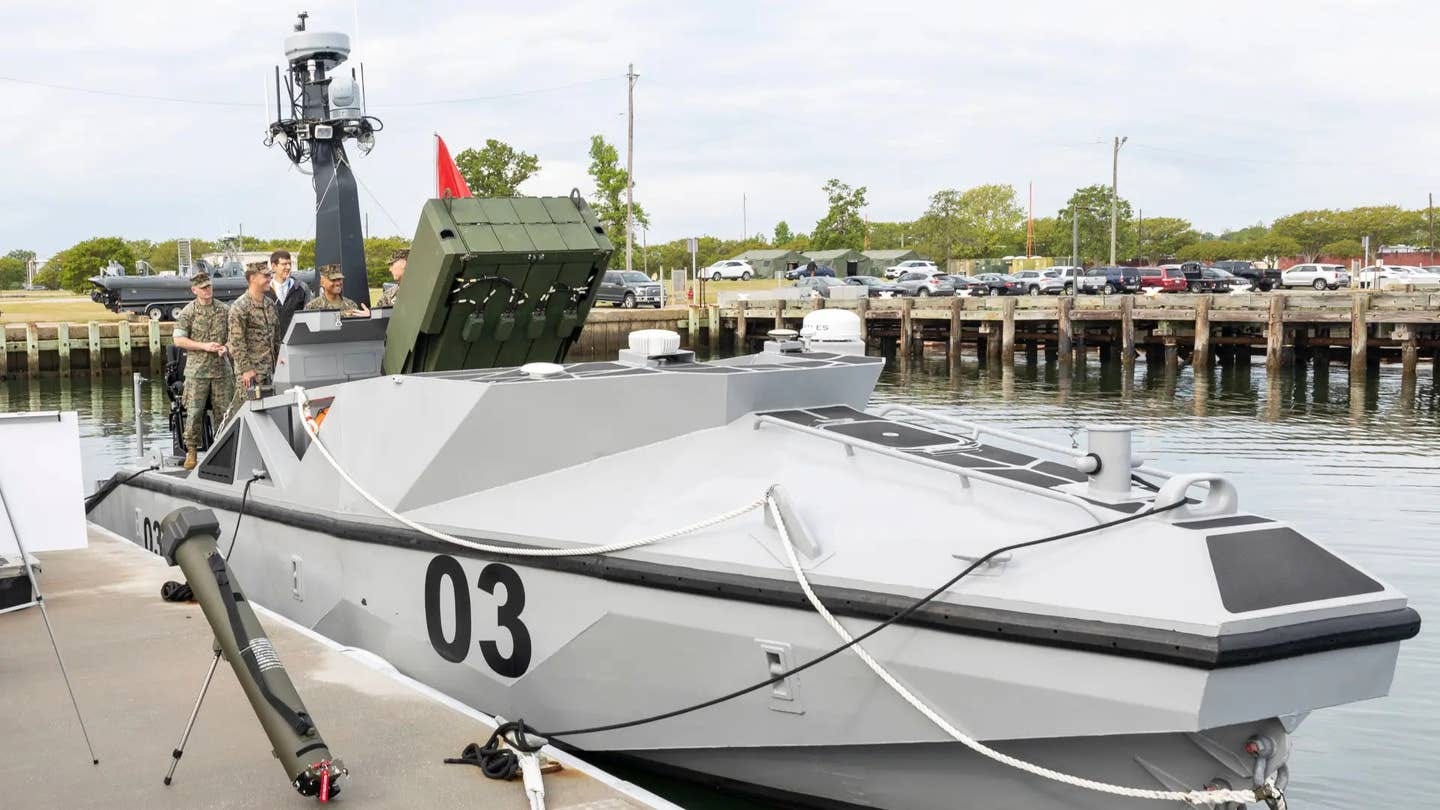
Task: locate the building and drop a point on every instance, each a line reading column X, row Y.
column 882, row 259
column 845, row 262
column 771, row 263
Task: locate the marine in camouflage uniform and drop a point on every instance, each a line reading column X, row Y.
column 331, row 273
column 254, row 342
column 207, row 380
column 398, row 260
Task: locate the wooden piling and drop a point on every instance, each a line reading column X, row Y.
column 1275, row 333
column 956, row 305
column 713, row 315
column 780, row 313
column 741, row 327
column 1358, row 335
column 692, row 325
column 157, row 355
column 1007, row 330
column 1127, row 330
column 1201, row 356
column 993, row 346
column 1409, row 352
column 62, row 345
column 96, row 358
column 906, row 336
column 5, row 355
column 1172, row 355
column 124, row 332
column 1062, row 326
column 862, row 307
column 32, row 349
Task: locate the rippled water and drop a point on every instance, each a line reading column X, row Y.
column 1358, row 469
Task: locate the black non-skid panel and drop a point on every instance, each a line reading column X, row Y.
column 1025, row 475
column 1269, row 568
column 1222, row 522
column 890, row 434
column 840, row 412
column 1128, row 641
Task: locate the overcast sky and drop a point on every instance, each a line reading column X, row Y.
column 1236, row 112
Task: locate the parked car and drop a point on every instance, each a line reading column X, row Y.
column 878, row 288
column 1109, row 280
column 729, row 269
column 1224, row 281
column 1000, row 284
column 1068, row 274
column 630, row 288
column 1318, row 276
column 925, row 282
column 804, row 271
column 819, row 286
column 1391, row 276
column 1042, row 282
column 895, row 271
column 1168, row 278
column 1261, row 278
column 1195, row 279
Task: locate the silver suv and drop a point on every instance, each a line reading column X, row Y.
column 1048, row 281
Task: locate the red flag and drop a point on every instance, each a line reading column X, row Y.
column 448, row 180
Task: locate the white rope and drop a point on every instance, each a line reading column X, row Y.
column 303, row 403
column 1193, row 797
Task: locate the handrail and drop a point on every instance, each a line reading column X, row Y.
column 1090, row 509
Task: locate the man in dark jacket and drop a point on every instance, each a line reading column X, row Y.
column 289, row 295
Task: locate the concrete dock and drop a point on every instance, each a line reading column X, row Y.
column 137, row 663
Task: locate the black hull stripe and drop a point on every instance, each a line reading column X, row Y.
column 1108, row 638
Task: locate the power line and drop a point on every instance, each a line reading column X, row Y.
column 251, row 105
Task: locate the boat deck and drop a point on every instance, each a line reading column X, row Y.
column 137, row 663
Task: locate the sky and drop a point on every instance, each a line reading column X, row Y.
column 1235, row 112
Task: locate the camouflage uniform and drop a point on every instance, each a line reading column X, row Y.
column 207, row 381
column 321, row 302
column 387, row 297
column 253, row 344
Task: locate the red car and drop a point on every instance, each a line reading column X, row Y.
column 1168, row 279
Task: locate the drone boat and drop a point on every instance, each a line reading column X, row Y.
column 587, row 544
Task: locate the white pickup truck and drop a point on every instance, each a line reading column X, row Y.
column 1318, row 276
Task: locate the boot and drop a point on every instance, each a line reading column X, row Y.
column 190, row 459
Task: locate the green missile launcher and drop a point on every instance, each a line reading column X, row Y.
column 496, row 282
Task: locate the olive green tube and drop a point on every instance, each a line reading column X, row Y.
column 188, row 539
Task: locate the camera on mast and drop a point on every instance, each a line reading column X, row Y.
column 327, row 101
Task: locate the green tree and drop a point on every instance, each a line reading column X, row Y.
column 610, row 181
column 1052, row 238
column 164, row 256
column 843, row 226
column 782, row 233
column 1384, row 224
column 1342, row 249
column 1268, row 246
column 1161, row 237
column 1249, row 234
column 892, row 235
column 1311, row 230
column 377, row 257
column 72, row 267
column 497, row 170
column 1209, row 250
column 12, row 268
column 992, row 221
column 1092, row 206
column 941, row 229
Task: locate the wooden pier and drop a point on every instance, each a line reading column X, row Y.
column 1284, row 327
column 30, row 349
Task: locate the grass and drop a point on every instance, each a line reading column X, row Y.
column 56, row 308
column 714, row 288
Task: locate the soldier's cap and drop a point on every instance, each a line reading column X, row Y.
column 200, row 278
column 331, row 272
column 256, row 269
column 400, row 255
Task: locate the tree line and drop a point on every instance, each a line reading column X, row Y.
column 986, row 221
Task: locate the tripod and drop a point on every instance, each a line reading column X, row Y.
column 194, row 713
column 39, row 600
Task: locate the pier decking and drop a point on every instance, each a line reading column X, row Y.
column 137, row 663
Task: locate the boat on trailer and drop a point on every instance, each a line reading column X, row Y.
column 587, row 544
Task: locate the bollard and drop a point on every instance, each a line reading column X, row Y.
column 1109, row 462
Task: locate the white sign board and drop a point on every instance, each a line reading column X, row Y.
column 41, row 480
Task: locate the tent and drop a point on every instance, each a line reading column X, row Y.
column 771, row 263
column 844, row 262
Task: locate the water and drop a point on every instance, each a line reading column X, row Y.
column 1358, row 469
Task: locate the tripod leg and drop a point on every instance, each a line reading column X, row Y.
column 190, row 724
column 45, row 614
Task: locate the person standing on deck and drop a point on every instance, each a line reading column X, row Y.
column 201, row 329
column 332, row 280
column 254, row 338
column 398, row 261
column 289, row 295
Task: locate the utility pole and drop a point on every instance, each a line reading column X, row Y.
column 1140, row 234
column 1115, row 194
column 1074, row 235
column 1030, row 224
column 630, row 77
column 1431, row 210
column 744, row 216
